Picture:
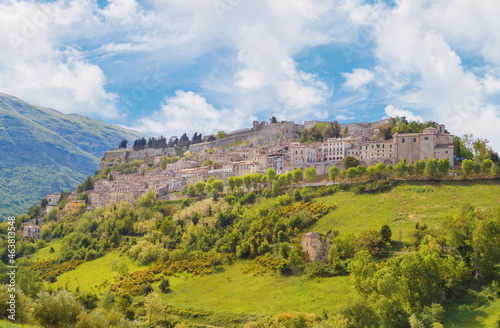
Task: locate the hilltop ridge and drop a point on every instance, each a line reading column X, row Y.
column 44, row 150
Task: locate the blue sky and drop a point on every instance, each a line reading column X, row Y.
column 173, row 66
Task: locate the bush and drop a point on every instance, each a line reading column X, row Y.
column 52, row 278
column 56, row 310
column 147, row 288
column 164, row 284
column 323, row 270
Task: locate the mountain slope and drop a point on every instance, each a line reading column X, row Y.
column 43, row 150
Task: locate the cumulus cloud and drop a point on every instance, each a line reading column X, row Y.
column 189, row 112
column 36, row 68
column 428, row 46
column 392, row 111
column 359, row 78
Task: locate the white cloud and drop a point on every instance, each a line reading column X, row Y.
column 359, row 78
column 189, row 112
column 34, row 67
column 392, row 111
column 433, row 49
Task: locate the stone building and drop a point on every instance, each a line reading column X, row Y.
column 301, row 155
column 312, row 246
column 431, row 142
column 52, row 199
column 31, row 231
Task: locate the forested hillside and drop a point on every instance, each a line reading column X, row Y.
column 46, row 151
column 236, row 259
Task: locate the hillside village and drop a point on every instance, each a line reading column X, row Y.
column 266, row 145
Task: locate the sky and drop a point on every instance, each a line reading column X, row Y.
column 165, row 67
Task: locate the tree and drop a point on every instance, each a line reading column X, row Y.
column 153, row 306
column 333, row 172
column 199, row 187
column 386, row 233
column 247, row 180
column 56, row 310
column 221, row 135
column 34, row 211
column 486, row 166
column 351, row 173
column 218, row 185
column 430, row 167
column 297, row 175
column 443, row 166
column 477, row 168
column 401, row 168
column 187, row 154
column 350, row 161
column 123, row 144
column 191, row 191
column 271, row 173
column 371, row 241
column 360, row 170
column 411, row 169
column 420, row 167
column 84, row 197
column 265, row 180
column 467, row 166
column 164, row 284
column 346, row 130
column 310, row 174
column 343, row 174
column 273, row 120
column 230, row 183
column 238, row 182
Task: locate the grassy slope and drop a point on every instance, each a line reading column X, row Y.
column 405, row 205
column 267, row 294
column 89, row 275
column 264, row 294
column 482, row 317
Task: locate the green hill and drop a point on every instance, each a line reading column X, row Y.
column 244, row 289
column 45, row 151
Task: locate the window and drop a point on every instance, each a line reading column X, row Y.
column 403, row 140
column 426, row 138
column 414, row 139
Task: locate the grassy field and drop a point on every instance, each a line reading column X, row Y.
column 405, row 205
column 483, row 317
column 89, row 275
column 264, row 294
column 43, row 253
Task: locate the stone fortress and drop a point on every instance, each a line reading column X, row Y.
column 257, row 149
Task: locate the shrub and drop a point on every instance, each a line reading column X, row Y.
column 56, row 310
column 147, row 288
column 164, row 284
column 52, row 278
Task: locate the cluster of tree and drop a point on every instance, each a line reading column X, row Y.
column 477, row 149
column 402, row 125
column 322, row 131
column 430, row 168
column 161, row 142
column 88, row 184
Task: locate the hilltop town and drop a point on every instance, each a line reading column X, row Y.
column 127, row 173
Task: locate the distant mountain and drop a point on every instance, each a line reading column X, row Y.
column 43, row 150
